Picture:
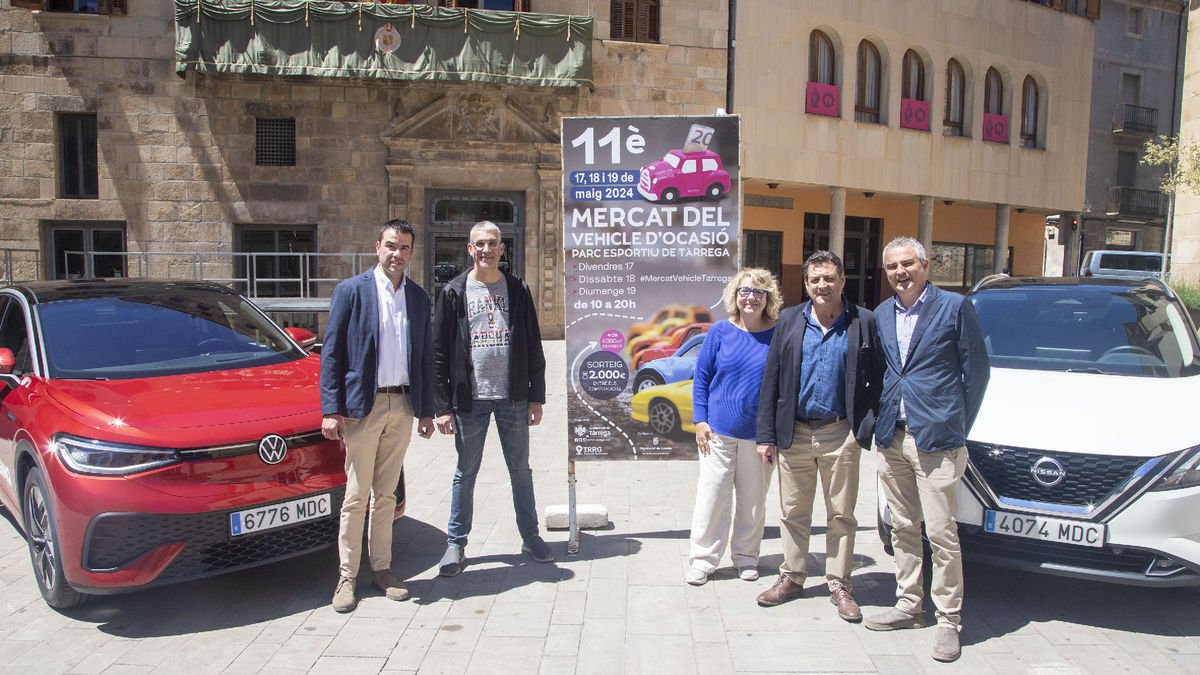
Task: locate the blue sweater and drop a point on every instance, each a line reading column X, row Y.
column 729, row 372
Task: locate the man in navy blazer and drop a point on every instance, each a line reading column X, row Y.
column 816, row 413
column 935, row 374
column 376, row 378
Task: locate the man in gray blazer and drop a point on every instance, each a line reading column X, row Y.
column 376, row 378
column 936, row 371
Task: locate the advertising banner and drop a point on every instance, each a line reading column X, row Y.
column 650, row 229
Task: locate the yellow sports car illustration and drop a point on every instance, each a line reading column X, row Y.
column 667, row 408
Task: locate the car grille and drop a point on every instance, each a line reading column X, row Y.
column 116, row 539
column 1089, row 479
column 982, row 546
column 644, row 180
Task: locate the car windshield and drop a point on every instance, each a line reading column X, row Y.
column 170, row 332
column 672, row 159
column 1096, row 329
column 1131, row 262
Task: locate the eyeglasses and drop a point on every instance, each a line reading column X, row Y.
column 486, row 243
column 746, row 291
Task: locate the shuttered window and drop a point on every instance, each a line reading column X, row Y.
column 956, row 87
column 820, row 58
column 635, row 20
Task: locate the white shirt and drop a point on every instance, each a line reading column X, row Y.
column 906, row 323
column 394, row 349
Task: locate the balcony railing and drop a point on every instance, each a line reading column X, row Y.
column 1136, row 203
column 322, row 38
column 1129, row 118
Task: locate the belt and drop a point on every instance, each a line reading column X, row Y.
column 818, row 422
column 401, row 389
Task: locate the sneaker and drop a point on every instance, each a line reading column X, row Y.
column 748, row 573
column 538, row 549
column 696, row 576
column 343, row 596
column 945, row 644
column 894, row 619
column 392, row 587
column 452, row 561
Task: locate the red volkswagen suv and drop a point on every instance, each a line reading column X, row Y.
column 153, row 431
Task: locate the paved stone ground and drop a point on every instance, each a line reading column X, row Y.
column 619, row 606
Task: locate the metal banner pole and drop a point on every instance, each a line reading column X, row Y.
column 573, row 524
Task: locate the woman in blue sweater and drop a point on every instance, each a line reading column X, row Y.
column 725, row 404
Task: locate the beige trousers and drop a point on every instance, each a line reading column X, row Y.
column 732, row 466
column 831, row 454
column 375, row 447
column 921, row 486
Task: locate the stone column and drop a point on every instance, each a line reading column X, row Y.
column 925, row 222
column 1000, row 253
column 549, row 289
column 405, row 205
column 837, row 221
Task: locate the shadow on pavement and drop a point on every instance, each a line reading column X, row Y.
column 1001, row 601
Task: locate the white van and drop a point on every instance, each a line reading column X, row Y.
column 1121, row 264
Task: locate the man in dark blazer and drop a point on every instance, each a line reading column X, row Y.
column 376, row 378
column 936, row 372
column 819, row 390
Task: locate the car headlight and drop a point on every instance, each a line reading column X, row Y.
column 102, row 458
column 1187, row 474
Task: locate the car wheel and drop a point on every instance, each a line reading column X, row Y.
column 664, row 418
column 670, row 196
column 41, row 533
column 715, row 191
column 646, row 380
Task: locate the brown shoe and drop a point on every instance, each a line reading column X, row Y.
column 390, row 585
column 343, row 596
column 781, row 591
column 847, row 608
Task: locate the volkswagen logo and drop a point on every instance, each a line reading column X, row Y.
column 272, row 448
column 1048, row 472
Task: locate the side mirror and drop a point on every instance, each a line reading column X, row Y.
column 7, row 361
column 303, row 337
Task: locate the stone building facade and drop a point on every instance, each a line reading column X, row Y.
column 177, row 170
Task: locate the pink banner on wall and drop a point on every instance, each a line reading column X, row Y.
column 914, row 114
column 821, row 99
column 995, row 128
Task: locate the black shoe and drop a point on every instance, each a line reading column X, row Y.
column 538, row 549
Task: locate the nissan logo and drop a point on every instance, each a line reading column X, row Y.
column 1048, row 472
column 272, row 448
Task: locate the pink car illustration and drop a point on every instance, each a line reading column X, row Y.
column 684, row 174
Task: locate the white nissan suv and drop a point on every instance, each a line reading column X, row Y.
column 1085, row 458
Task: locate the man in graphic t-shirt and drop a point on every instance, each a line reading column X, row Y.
column 488, row 361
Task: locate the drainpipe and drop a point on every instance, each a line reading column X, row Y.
column 732, row 44
column 1170, row 225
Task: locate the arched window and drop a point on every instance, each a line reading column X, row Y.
column 956, row 87
column 913, row 86
column 1029, row 113
column 870, row 67
column 820, row 58
column 993, row 92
